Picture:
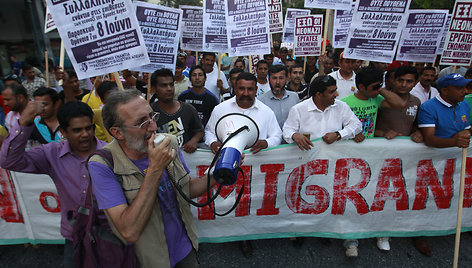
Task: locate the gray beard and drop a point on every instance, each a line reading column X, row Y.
column 135, row 143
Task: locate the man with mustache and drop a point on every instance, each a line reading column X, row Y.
column 423, row 89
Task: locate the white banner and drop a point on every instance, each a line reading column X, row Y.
column 214, row 26
column 342, row 190
column 192, row 28
column 160, row 27
column 289, row 25
column 375, row 29
column 100, row 37
column 276, row 17
column 248, row 27
column 444, row 35
column 421, row 35
column 329, row 4
column 49, row 24
column 342, row 22
column 307, row 37
column 458, row 46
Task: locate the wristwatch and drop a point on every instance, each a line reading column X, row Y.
column 338, row 135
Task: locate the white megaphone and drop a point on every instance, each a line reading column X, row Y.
column 226, row 167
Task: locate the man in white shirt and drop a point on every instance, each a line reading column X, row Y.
column 245, row 102
column 262, row 69
column 423, row 89
column 216, row 85
column 322, row 115
column 345, row 77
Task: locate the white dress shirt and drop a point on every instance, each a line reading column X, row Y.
column 305, row 118
column 420, row 92
column 264, row 117
column 345, row 86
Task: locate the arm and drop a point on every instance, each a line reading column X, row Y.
column 210, row 136
column 392, row 100
column 199, row 185
column 191, row 145
column 351, row 124
column 461, row 139
column 129, row 78
column 274, row 133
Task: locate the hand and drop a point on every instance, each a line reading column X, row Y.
column 462, row 138
column 417, row 136
column 260, row 144
column 302, row 141
column 359, row 137
column 190, row 146
column 330, row 137
column 160, row 156
column 391, row 134
column 219, row 84
column 32, row 109
column 215, row 146
column 322, row 58
column 59, row 73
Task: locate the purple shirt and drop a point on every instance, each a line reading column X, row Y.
column 109, row 194
column 67, row 169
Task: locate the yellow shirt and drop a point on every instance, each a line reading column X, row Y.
column 94, row 101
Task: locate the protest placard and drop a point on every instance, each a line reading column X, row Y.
column 308, row 30
column 49, row 24
column 375, row 29
column 329, row 4
column 458, row 45
column 289, row 25
column 160, row 26
column 421, row 35
column 192, row 28
column 254, row 59
column 276, row 17
column 100, row 37
column 214, row 26
column 444, row 35
column 342, row 21
column 248, row 27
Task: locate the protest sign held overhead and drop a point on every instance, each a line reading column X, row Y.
column 375, row 29
column 308, row 30
column 248, row 27
column 161, row 32
column 276, row 17
column 329, row 4
column 422, row 35
column 192, row 28
column 289, row 24
column 444, row 35
column 214, row 26
column 342, row 21
column 100, row 37
column 458, row 46
column 49, row 24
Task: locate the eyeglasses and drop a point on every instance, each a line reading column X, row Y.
column 377, row 87
column 144, row 125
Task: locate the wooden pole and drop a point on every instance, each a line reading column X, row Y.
column 325, row 33
column 118, row 80
column 459, row 209
column 271, row 42
column 250, row 64
column 93, row 89
column 61, row 60
column 219, row 64
column 197, row 62
column 304, row 65
column 46, row 66
column 148, row 96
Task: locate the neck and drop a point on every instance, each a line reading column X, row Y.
column 179, row 78
column 52, row 122
column 280, row 95
column 447, row 100
column 169, row 107
column 293, row 86
column 319, row 105
column 69, row 95
column 360, row 96
column 345, row 74
column 132, row 154
column 261, row 79
column 426, row 87
column 198, row 90
column 86, row 154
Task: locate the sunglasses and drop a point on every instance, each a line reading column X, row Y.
column 377, row 87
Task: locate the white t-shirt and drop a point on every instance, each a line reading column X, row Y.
column 421, row 93
column 345, row 86
column 262, row 88
column 211, row 79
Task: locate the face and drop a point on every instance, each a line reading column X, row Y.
column 357, row 65
column 245, row 92
column 277, row 82
column 10, row 100
column 207, row 63
column 427, row 78
column 29, row 73
column 347, row 65
column 49, row 108
column 262, row 70
column 71, row 83
column 372, row 90
column 381, row 66
column 80, row 134
column 289, row 63
column 164, row 89
column 328, row 97
column 404, row 84
column 454, row 94
column 283, row 54
column 178, row 71
column 296, row 75
column 198, row 78
column 329, row 64
column 232, row 79
column 270, row 60
column 390, row 81
column 239, row 65
column 311, row 61
column 181, row 58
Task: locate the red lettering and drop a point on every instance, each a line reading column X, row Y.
column 44, row 202
column 294, row 186
column 8, row 205
column 427, row 176
column 270, row 189
column 340, row 190
column 205, row 213
column 391, row 171
column 468, row 184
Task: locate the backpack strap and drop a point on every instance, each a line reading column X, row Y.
column 107, row 156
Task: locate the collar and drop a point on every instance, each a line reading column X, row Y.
column 312, row 106
column 66, row 148
column 339, row 76
column 445, row 103
column 272, row 96
column 255, row 105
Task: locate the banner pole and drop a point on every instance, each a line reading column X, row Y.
column 61, row 60
column 325, row 34
column 118, row 80
column 250, row 64
column 148, row 96
column 46, row 66
column 219, row 64
column 304, row 65
column 93, row 88
column 196, row 58
column 459, row 209
column 271, row 42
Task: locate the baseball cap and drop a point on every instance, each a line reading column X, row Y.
column 454, row 79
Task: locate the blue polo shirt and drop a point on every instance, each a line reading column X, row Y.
column 446, row 118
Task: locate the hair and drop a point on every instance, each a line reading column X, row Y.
column 12, row 77
column 240, row 60
column 73, row 110
column 163, row 72
column 294, row 66
column 196, row 67
column 236, row 71
column 277, row 68
column 367, row 76
column 406, row 69
column 71, row 73
column 43, row 91
column 468, row 73
column 110, row 109
column 26, row 67
column 208, row 54
column 389, row 73
column 261, row 62
column 104, row 87
column 428, row 68
column 268, row 55
column 180, row 64
column 319, row 85
column 246, row 76
column 18, row 89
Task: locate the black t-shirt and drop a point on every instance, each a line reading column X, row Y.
column 204, row 103
column 183, row 124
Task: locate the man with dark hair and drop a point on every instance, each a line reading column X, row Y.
column 424, row 89
column 46, row 125
column 295, row 82
column 177, row 118
column 16, row 98
column 345, row 77
column 321, row 116
column 181, row 81
column 198, row 96
column 32, row 82
column 389, row 79
column 71, row 90
column 104, row 89
column 262, row 69
column 269, row 58
column 64, row 161
column 278, row 98
column 215, row 83
column 233, row 74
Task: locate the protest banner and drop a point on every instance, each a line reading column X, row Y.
column 276, row 17
column 307, row 36
column 289, row 25
column 214, row 26
column 192, row 28
column 458, row 45
column 160, row 27
column 342, row 190
column 342, row 21
column 100, row 37
column 421, row 36
column 248, row 27
column 444, row 35
column 49, row 24
column 375, row 29
column 329, row 4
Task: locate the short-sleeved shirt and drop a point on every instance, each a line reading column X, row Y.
column 204, row 103
column 447, row 119
column 366, row 111
column 400, row 121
